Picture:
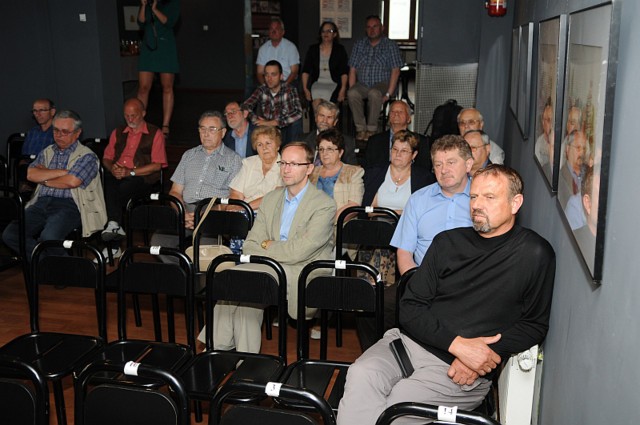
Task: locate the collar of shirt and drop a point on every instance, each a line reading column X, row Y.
column 219, row 150
column 289, row 211
column 72, row 147
column 439, row 192
column 142, row 129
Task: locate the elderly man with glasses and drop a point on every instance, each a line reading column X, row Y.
column 471, row 119
column 239, row 137
column 68, row 192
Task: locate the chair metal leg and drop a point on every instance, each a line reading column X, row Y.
column 171, row 324
column 338, row 329
column 136, row 310
column 58, row 396
column 197, row 410
column 157, row 326
column 268, row 323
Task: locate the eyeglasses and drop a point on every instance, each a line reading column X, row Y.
column 64, row 133
column 400, row 152
column 205, row 130
column 328, row 31
column 40, row 111
column 468, row 122
column 283, row 164
column 229, row 113
column 328, row 150
column 475, row 148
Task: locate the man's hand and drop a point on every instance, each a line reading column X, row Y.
column 461, row 374
column 119, row 171
column 269, row 123
column 189, row 219
column 475, row 353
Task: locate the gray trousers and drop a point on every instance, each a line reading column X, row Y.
column 374, row 382
column 374, row 95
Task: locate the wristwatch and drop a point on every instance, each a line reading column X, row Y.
column 264, row 244
column 132, row 173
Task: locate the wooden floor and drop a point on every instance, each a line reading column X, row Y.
column 72, row 310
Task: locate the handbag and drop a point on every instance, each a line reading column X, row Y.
column 208, row 253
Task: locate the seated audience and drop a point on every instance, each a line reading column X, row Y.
column 36, row 139
column 68, row 192
column 325, row 72
column 132, row 161
column 326, row 117
column 239, row 138
column 480, row 149
column 277, row 102
column 373, row 75
column 440, row 206
column 278, row 48
column 342, row 182
column 471, row 119
column 378, row 152
column 481, row 295
column 205, row 171
column 294, row 227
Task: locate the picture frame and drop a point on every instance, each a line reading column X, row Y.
column 525, row 64
column 589, row 91
column 515, row 48
column 552, row 49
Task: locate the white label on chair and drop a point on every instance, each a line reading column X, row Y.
column 67, row 244
column 447, row 414
column 32, row 156
column 379, row 278
column 341, row 264
column 131, row 368
column 368, row 209
column 356, row 150
column 154, row 196
column 245, row 258
column 272, row 389
column 224, row 201
column 96, row 140
column 155, row 250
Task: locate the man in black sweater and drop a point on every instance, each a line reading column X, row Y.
column 480, row 295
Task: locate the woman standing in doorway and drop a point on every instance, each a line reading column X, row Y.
column 158, row 53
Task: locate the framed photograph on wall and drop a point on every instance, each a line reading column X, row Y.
column 525, row 63
column 515, row 46
column 589, row 91
column 552, row 42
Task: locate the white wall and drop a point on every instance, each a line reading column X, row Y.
column 591, row 373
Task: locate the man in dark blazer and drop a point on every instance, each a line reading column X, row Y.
column 326, row 118
column 239, row 138
column 379, row 145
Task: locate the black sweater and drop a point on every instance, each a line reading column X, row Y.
column 472, row 286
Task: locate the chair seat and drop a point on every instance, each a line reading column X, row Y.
column 53, row 354
column 207, row 370
column 317, row 376
column 246, row 414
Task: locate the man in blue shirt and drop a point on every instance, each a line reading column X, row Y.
column 374, row 70
column 441, row 206
column 38, row 138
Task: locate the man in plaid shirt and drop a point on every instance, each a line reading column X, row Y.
column 278, row 103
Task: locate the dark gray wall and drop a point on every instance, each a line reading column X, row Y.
column 591, row 370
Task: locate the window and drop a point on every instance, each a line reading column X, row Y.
column 401, row 24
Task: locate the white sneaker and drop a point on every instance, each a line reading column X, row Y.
column 315, row 333
column 112, row 232
column 116, row 252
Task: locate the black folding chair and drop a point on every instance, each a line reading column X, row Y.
column 243, row 414
column 153, row 277
column 364, row 230
column 444, row 415
column 210, row 368
column 330, row 293
column 4, row 171
column 56, row 355
column 12, row 209
column 97, row 145
column 123, row 402
column 14, row 155
column 24, row 395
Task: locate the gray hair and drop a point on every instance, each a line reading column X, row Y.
column 484, row 136
column 480, row 117
column 213, row 114
column 328, row 105
column 66, row 113
column 278, row 20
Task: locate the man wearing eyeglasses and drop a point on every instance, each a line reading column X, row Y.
column 41, row 135
column 239, row 137
column 480, row 149
column 471, row 119
column 294, row 227
column 68, row 192
column 277, row 102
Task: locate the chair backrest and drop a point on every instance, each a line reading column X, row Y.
column 84, row 271
column 266, row 285
column 12, row 208
column 375, row 231
column 402, row 285
column 124, row 402
column 245, row 413
column 155, row 277
column 337, row 293
column 445, row 414
column 14, row 154
column 157, row 211
column 97, row 145
column 4, row 171
column 24, row 395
